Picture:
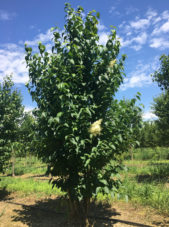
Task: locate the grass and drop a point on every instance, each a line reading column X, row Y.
column 145, row 182
column 156, row 196
column 156, row 153
column 29, row 186
column 153, row 169
column 30, row 164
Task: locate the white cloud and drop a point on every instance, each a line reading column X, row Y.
column 165, row 27
column 156, row 20
column 141, row 75
column 12, row 57
column 130, row 10
column 160, row 43
column 28, row 108
column 113, row 10
column 147, row 116
column 165, row 15
column 137, row 80
column 141, row 38
column 140, row 23
column 136, row 47
column 151, row 14
column 103, row 37
column 125, row 43
column 161, row 29
column 101, row 26
column 12, row 62
column 135, row 42
column 122, row 24
column 42, row 37
column 4, row 16
column 134, row 33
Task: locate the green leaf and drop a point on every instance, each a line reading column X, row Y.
column 98, row 15
column 50, row 121
column 98, row 190
column 120, row 138
column 71, row 61
column 103, row 181
column 59, row 114
column 112, row 194
column 88, row 111
column 73, row 141
column 87, row 163
column 43, row 114
column 106, row 190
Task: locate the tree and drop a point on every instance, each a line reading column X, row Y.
column 161, row 103
column 161, row 110
column 28, row 136
column 11, row 111
column 81, row 125
column 161, row 76
column 149, row 135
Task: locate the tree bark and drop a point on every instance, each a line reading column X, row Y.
column 79, row 212
column 131, row 153
column 13, row 162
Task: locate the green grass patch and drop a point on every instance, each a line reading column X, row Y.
column 31, row 165
column 29, row 186
column 156, row 153
column 156, row 196
column 144, row 182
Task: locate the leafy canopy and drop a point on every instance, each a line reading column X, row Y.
column 161, row 110
column 81, row 125
column 161, row 76
column 28, row 135
column 161, row 103
column 11, row 111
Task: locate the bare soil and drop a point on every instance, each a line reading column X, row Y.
column 19, row 211
column 52, row 212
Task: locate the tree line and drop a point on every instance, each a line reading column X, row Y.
column 156, row 133
column 17, row 134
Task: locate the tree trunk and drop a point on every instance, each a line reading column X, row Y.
column 13, row 162
column 131, row 153
column 79, row 212
column 48, row 173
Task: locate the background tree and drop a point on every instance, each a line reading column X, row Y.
column 28, row 135
column 161, row 110
column 161, row 76
column 161, row 103
column 11, row 111
column 81, row 126
column 149, row 135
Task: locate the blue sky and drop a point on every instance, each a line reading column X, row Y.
column 142, row 27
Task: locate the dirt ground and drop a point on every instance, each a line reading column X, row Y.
column 51, row 212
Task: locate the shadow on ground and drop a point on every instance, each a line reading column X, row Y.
column 158, row 172
column 4, row 194
column 54, row 213
column 42, row 177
